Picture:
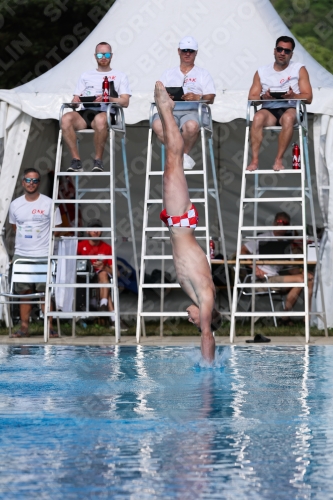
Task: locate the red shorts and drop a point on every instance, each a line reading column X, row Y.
column 189, row 219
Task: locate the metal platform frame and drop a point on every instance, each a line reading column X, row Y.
column 113, row 129
column 305, row 190
column 161, row 233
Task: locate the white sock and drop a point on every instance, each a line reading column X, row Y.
column 104, row 302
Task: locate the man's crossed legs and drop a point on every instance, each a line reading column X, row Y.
column 292, row 293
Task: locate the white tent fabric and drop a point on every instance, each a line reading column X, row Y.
column 323, row 141
column 235, row 38
column 66, row 273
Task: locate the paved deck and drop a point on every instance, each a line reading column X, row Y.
column 158, row 341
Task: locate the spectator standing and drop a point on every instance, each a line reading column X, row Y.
column 30, row 216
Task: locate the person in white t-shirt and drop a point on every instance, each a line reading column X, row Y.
column 197, row 85
column 30, row 216
column 281, row 220
column 281, row 76
column 90, row 84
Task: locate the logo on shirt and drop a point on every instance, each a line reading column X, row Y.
column 38, row 211
column 285, row 79
column 112, row 77
column 190, row 80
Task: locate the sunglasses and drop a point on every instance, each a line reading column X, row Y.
column 190, row 51
column 282, row 49
column 28, row 180
column 281, row 222
column 107, row 55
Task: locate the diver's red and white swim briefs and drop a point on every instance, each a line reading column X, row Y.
column 189, row 219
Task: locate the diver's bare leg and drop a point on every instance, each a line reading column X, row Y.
column 175, row 191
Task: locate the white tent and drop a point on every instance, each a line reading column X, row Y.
column 235, row 38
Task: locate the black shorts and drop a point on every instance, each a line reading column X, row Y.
column 89, row 114
column 278, row 112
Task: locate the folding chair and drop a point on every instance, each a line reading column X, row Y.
column 247, row 292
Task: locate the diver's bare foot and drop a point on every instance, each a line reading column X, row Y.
column 278, row 165
column 162, row 99
column 253, row 166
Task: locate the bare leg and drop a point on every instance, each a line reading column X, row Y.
column 295, row 292
column 262, row 118
column 104, row 293
column 175, row 191
column 158, row 129
column 292, row 296
column 287, row 122
column 25, row 310
column 71, row 122
column 99, row 124
column 190, row 132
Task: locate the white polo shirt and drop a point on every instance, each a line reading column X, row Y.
column 198, row 80
column 32, row 220
column 90, row 83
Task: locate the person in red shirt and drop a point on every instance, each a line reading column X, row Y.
column 102, row 268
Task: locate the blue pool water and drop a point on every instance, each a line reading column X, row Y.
column 148, row 423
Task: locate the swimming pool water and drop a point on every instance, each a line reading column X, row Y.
column 148, row 423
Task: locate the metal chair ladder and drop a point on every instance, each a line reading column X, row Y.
column 103, row 195
column 160, row 233
column 304, row 190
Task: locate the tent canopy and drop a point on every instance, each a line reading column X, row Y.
column 235, row 38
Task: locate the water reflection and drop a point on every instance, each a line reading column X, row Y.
column 271, row 416
column 143, row 423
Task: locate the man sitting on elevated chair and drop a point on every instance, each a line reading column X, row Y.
column 93, row 116
column 287, row 80
column 192, row 268
column 197, row 85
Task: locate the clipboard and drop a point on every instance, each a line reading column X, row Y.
column 176, row 92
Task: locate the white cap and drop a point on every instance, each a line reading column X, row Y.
column 188, row 42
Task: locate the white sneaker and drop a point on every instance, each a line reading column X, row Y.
column 188, row 163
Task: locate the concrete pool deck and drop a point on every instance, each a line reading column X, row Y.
column 158, row 341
